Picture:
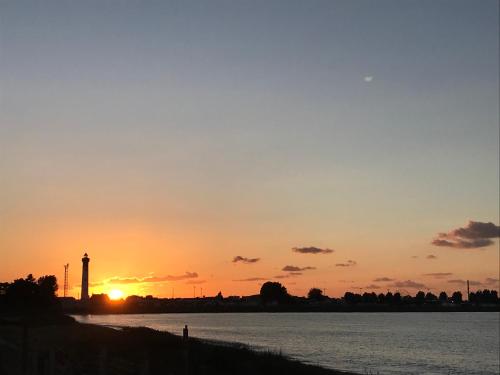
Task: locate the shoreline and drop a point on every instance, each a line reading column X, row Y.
column 111, row 311
column 86, row 348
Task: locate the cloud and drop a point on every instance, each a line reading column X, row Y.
column 414, row 256
column 458, row 243
column 382, row 279
column 252, row 279
column 460, row 281
column 151, row 279
column 368, row 78
column 438, row 275
column 431, row 256
column 349, row 263
column 473, row 236
column 491, row 281
column 195, row 282
column 312, row 250
column 372, row 286
column 285, row 276
column 245, row 260
column 291, row 274
column 296, row 269
column 408, row 284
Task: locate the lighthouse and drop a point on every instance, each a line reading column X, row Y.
column 85, row 277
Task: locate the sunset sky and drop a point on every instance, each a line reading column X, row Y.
column 166, row 138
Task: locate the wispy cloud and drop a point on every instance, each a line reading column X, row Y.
column 151, row 279
column 372, row 286
column 296, row 269
column 195, row 282
column 408, row 284
column 245, row 260
column 288, row 275
column 349, row 263
column 460, row 281
column 284, row 276
column 312, row 250
column 383, row 279
column 475, row 235
column 252, row 279
column 438, row 275
column 491, row 281
column 431, row 256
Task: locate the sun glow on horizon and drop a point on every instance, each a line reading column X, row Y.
column 115, row 294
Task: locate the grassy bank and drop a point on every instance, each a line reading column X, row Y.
column 75, row 348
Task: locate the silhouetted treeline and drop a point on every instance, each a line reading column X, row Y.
column 35, row 295
column 274, row 297
column 485, row 296
column 30, row 295
column 420, row 298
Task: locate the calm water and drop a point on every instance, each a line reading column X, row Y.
column 398, row 343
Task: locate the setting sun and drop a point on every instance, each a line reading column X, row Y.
column 115, row 294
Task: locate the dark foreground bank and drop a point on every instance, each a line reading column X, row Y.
column 63, row 346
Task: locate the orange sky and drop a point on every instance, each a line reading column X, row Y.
column 148, row 259
column 167, row 139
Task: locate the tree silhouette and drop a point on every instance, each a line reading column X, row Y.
column 29, row 294
column 443, row 297
column 397, row 298
column 389, row 297
column 315, row 294
column 485, row 296
column 370, row 297
column 381, row 298
column 273, row 292
column 47, row 286
column 350, row 297
column 456, row 297
column 429, row 297
column 420, row 298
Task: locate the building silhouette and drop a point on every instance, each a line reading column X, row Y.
column 85, row 278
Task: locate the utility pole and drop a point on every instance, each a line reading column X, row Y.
column 66, row 286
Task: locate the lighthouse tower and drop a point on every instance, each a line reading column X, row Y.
column 85, row 277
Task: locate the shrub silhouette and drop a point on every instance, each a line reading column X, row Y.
column 273, row 292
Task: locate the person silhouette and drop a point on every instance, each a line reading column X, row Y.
column 185, row 333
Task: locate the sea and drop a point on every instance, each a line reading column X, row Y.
column 366, row 343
